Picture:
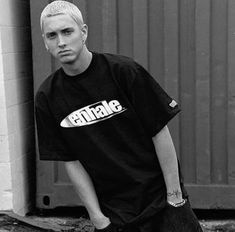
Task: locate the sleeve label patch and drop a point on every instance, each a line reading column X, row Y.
column 173, row 104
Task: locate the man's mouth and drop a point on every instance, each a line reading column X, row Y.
column 64, row 52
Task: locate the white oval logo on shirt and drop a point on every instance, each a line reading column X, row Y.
column 93, row 113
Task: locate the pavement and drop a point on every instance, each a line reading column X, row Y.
column 14, row 223
column 218, row 225
column 55, row 223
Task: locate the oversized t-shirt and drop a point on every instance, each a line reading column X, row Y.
column 106, row 117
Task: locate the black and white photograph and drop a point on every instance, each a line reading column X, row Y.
column 117, row 115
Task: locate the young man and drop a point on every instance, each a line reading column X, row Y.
column 106, row 117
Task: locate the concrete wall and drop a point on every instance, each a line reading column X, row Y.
column 17, row 146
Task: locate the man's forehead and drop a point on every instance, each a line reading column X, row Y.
column 58, row 22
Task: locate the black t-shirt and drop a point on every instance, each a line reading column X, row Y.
column 106, row 117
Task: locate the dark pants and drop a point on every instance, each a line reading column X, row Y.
column 170, row 219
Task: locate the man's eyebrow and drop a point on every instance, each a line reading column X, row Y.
column 54, row 32
column 67, row 28
column 50, row 33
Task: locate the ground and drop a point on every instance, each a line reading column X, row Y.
column 41, row 224
column 14, row 223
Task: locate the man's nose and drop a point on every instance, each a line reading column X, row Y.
column 61, row 41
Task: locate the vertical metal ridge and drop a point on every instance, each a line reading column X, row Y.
column 202, row 85
column 187, row 78
column 125, row 27
column 218, row 91
column 231, row 93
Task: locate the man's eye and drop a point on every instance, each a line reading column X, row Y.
column 51, row 35
column 67, row 32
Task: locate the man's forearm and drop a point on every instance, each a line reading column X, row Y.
column 86, row 191
column 168, row 161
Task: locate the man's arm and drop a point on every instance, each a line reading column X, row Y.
column 168, row 161
column 86, row 191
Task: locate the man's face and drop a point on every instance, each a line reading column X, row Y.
column 64, row 38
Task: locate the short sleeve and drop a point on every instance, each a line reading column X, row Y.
column 50, row 142
column 153, row 105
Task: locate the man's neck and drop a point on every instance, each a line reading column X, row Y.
column 80, row 65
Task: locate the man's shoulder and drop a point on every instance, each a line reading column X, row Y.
column 120, row 61
column 46, row 88
column 47, row 85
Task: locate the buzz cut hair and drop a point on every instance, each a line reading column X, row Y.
column 59, row 7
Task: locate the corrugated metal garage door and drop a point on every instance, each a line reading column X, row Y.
column 189, row 46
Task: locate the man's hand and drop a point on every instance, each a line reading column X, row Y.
column 86, row 191
column 100, row 222
column 174, row 196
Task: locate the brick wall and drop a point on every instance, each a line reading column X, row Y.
column 17, row 146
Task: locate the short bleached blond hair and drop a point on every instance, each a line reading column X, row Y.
column 61, row 7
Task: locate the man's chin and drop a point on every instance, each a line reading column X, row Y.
column 66, row 60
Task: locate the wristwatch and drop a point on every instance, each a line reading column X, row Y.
column 177, row 204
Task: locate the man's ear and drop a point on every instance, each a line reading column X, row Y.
column 46, row 46
column 43, row 36
column 84, row 30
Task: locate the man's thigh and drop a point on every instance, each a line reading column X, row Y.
column 172, row 219
column 179, row 219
